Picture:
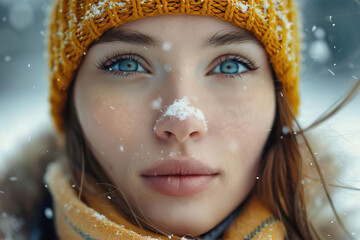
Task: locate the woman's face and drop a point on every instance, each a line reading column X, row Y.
column 177, row 110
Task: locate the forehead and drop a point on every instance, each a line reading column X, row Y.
column 186, row 29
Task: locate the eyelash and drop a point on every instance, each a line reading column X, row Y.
column 110, row 60
column 245, row 61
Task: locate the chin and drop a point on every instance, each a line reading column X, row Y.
column 184, row 225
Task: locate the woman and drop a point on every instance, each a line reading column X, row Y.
column 177, row 119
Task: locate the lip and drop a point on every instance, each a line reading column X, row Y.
column 179, row 177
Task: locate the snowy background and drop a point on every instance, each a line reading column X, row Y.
column 331, row 62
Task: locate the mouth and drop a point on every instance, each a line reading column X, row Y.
column 180, row 177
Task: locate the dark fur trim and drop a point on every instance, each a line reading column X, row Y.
column 21, row 184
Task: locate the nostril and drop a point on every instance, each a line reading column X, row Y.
column 168, row 134
column 194, row 134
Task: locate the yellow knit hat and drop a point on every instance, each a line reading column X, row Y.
column 75, row 24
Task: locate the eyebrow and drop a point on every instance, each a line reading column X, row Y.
column 221, row 38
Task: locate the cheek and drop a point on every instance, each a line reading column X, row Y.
column 113, row 117
column 110, row 125
column 245, row 125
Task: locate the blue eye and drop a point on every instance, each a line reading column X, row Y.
column 231, row 66
column 122, row 65
column 127, row 65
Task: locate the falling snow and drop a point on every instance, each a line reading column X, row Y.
column 7, row 58
column 319, row 50
column 48, row 213
column 332, row 73
column 285, row 130
column 166, row 46
column 156, row 104
column 13, row 179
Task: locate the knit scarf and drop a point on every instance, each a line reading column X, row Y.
column 74, row 219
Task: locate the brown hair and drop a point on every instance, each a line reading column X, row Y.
column 282, row 168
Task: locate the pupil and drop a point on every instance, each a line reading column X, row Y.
column 229, row 66
column 128, row 65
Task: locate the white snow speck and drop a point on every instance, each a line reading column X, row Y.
column 320, row 33
column 68, row 206
column 121, row 148
column 266, row 5
column 7, row 58
column 112, row 108
column 156, row 104
column 13, row 179
column 285, row 130
column 319, row 49
column 98, row 8
column 99, row 216
column 242, row 6
column 10, row 225
column 167, row 68
column 49, row 213
column 29, row 65
column 313, row 28
column 166, row 46
column 332, row 73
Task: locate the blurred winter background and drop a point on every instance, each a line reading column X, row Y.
column 331, row 62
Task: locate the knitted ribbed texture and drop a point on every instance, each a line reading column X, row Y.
column 75, row 219
column 75, row 24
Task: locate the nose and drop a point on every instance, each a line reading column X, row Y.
column 181, row 124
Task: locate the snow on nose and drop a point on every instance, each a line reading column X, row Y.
column 181, row 109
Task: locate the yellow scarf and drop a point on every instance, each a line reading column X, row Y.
column 75, row 220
